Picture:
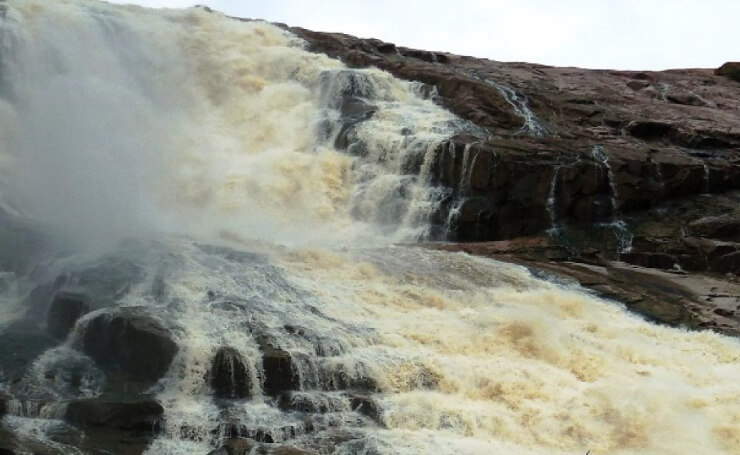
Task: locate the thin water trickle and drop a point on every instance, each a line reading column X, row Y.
column 552, row 199
column 521, row 107
column 619, row 227
column 707, row 188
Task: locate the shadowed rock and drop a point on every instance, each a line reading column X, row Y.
column 66, row 308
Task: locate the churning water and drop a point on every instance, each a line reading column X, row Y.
column 266, row 190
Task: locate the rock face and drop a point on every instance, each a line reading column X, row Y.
column 563, row 146
column 129, row 344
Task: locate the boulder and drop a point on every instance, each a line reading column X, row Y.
column 66, row 308
column 230, row 376
column 129, row 343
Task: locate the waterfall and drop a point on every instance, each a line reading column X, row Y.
column 142, row 134
column 227, row 224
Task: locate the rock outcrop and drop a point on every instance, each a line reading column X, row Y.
column 640, row 167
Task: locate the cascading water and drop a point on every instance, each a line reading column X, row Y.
column 256, row 193
column 519, row 102
column 619, row 227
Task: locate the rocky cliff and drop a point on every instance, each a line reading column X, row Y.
column 583, row 166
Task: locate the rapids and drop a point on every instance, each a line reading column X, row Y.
column 214, row 175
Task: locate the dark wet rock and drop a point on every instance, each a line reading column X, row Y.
column 129, row 343
column 66, row 308
column 141, row 415
column 280, row 373
column 230, row 374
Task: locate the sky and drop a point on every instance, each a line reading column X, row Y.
column 615, row 34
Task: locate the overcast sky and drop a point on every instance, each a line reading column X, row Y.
column 620, row 34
